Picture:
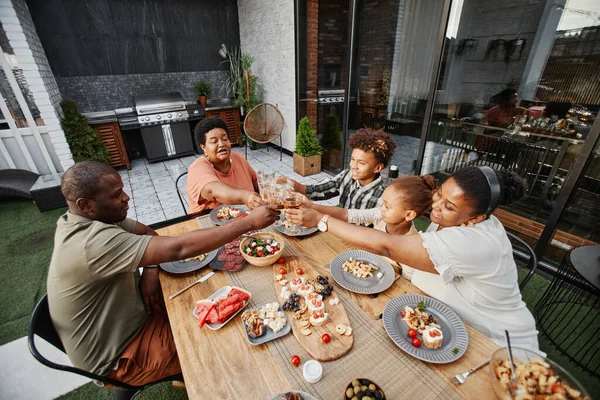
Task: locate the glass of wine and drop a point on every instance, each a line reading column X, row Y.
column 292, row 200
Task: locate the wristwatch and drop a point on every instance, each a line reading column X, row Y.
column 323, row 223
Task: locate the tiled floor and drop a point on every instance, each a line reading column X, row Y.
column 153, row 199
column 151, row 186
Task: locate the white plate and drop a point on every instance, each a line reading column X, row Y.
column 216, row 296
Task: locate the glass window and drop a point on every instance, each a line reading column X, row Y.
column 518, row 89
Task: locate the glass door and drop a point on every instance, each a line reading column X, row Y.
column 395, row 60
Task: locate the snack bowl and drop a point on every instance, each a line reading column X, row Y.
column 523, row 356
column 262, row 261
column 376, row 394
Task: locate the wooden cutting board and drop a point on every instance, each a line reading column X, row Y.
column 339, row 344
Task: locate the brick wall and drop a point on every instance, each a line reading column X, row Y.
column 533, row 229
column 312, row 59
column 31, row 58
column 267, row 34
column 108, row 92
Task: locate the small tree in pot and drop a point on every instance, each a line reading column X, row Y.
column 307, row 156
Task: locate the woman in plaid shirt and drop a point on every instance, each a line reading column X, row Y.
column 361, row 186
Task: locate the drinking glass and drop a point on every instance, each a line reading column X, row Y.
column 265, row 180
column 292, row 200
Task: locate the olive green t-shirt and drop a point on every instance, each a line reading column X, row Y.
column 93, row 293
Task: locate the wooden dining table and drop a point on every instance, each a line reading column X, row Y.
column 223, row 365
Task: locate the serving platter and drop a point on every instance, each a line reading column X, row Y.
column 216, row 296
column 313, row 344
column 269, row 334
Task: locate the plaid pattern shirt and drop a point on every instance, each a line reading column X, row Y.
column 352, row 193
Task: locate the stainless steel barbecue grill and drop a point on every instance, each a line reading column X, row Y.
column 163, row 122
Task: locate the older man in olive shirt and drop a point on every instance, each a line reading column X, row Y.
column 110, row 320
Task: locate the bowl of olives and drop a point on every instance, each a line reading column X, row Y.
column 363, row 389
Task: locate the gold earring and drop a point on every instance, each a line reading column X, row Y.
column 470, row 223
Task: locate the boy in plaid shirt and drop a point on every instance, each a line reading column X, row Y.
column 361, row 186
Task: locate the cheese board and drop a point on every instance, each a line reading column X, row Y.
column 314, row 310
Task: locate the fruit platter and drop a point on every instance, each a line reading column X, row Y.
column 317, row 316
column 220, row 307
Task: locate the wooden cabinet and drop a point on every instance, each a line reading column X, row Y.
column 110, row 134
column 231, row 116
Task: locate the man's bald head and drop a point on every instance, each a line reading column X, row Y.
column 82, row 179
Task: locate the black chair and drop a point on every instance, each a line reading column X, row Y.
column 42, row 326
column 525, row 254
column 177, row 190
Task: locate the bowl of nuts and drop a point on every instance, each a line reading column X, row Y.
column 364, row 389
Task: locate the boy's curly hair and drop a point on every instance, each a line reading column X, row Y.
column 376, row 142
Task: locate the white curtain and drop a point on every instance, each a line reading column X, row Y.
column 419, row 22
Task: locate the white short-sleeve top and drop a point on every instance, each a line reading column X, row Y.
column 478, row 280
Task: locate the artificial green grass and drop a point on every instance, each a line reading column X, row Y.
column 26, row 241
column 93, row 392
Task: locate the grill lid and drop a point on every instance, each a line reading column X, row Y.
column 159, row 102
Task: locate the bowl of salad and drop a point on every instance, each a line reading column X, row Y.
column 263, row 249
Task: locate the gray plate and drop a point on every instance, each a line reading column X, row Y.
column 354, row 284
column 303, row 231
column 305, row 396
column 454, row 331
column 217, row 221
column 216, row 296
column 181, row 267
column 269, row 334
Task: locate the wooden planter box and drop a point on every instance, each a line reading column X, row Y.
column 307, row 165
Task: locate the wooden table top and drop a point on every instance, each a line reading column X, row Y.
column 205, row 368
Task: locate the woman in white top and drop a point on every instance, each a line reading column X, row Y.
column 464, row 259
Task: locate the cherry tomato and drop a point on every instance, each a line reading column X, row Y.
column 282, row 271
column 416, row 342
column 412, row 333
column 260, row 253
column 281, row 260
column 434, row 333
column 403, row 314
column 295, row 360
column 326, row 338
column 299, row 271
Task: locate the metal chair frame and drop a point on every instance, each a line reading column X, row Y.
column 41, row 325
column 530, row 258
column 179, row 194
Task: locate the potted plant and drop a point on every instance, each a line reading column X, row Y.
column 202, row 89
column 307, row 156
column 332, row 141
column 84, row 142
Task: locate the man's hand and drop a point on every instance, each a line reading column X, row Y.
column 264, row 216
column 306, row 217
column 150, row 289
column 296, row 186
column 253, row 200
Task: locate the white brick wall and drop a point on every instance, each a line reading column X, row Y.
column 267, row 34
column 23, row 38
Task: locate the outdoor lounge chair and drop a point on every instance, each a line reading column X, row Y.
column 17, row 183
column 525, row 254
column 42, row 326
